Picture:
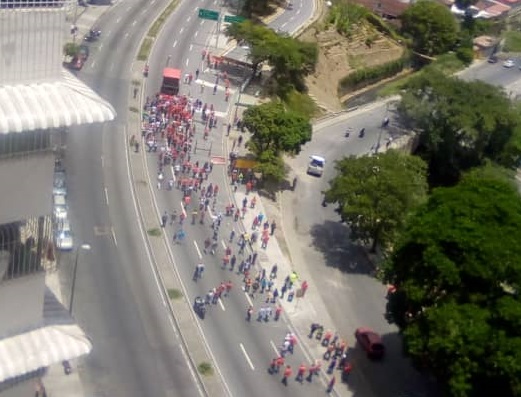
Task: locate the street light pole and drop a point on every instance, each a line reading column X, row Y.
column 85, row 247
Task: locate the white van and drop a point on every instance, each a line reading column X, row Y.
column 316, row 165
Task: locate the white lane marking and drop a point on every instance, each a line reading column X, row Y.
column 274, row 347
column 198, row 250
column 102, row 162
column 284, row 24
column 186, row 61
column 247, row 357
column 114, row 236
column 248, row 299
column 134, row 23
column 181, row 30
column 196, row 33
column 200, row 23
column 117, row 20
column 100, row 46
column 188, row 19
column 126, row 35
column 93, row 64
column 221, row 304
column 106, row 195
column 223, row 244
column 175, row 43
column 191, row 47
column 144, row 11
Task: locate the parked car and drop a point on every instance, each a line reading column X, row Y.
column 77, row 63
column 59, row 186
column 371, row 342
column 60, row 210
column 64, row 240
column 509, row 63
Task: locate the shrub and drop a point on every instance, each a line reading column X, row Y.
column 465, row 55
column 366, row 76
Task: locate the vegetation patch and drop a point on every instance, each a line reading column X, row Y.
column 144, row 50
column 300, row 103
column 512, row 41
column 133, row 109
column 174, row 294
column 154, row 232
column 205, row 368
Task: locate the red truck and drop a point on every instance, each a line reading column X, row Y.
column 171, row 78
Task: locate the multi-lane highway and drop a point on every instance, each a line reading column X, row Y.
column 242, row 350
column 118, row 302
column 137, row 351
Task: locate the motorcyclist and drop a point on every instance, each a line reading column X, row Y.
column 361, row 133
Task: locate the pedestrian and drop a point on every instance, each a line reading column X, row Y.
column 269, row 297
column 262, row 313
column 164, row 219
column 275, row 295
column 173, row 217
column 331, row 384
column 287, row 373
column 228, row 129
column 249, row 312
column 232, row 235
column 283, row 290
column 233, row 260
column 215, row 89
column 273, row 272
column 304, row 288
column 273, row 226
column 278, row 312
column 346, row 370
column 254, row 258
column 229, row 286
column 332, row 366
column 273, row 366
column 197, row 74
column 267, row 314
column 300, row 373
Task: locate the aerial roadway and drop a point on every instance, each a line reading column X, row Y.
column 119, row 303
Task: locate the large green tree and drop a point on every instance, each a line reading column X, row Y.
column 276, row 129
column 460, row 124
column 375, row 194
column 290, row 58
column 457, row 273
column 431, row 26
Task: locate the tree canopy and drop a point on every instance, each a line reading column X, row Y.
column 276, row 129
column 457, row 273
column 431, row 26
column 460, row 124
column 375, row 194
column 290, row 58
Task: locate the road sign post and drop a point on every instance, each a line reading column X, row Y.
column 233, row 18
column 208, row 14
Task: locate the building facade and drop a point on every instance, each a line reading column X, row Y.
column 39, row 99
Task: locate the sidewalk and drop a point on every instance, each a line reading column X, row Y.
column 301, row 311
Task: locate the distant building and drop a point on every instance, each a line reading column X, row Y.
column 38, row 101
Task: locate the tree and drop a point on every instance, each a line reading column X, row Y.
column 460, row 125
column 375, row 194
column 271, row 166
column 276, row 129
column 290, row 58
column 71, row 49
column 457, row 273
column 431, row 26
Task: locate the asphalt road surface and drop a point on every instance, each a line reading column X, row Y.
column 118, row 303
column 318, row 240
column 496, row 74
column 243, row 350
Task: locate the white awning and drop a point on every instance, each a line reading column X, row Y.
column 27, row 352
column 52, row 104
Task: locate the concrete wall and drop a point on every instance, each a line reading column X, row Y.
column 21, row 303
column 26, row 186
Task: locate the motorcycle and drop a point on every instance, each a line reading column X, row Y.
column 66, row 367
column 200, row 307
column 361, row 133
column 145, row 71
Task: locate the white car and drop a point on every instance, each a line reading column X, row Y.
column 509, row 63
column 316, row 165
column 64, row 241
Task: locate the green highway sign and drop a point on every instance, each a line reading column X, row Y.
column 233, row 18
column 208, row 14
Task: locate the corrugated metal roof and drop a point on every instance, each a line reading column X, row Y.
column 52, row 104
column 26, row 352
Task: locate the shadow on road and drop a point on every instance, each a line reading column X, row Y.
column 332, row 240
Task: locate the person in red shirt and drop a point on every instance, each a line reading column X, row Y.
column 287, row 374
column 301, row 372
column 346, row 371
column 278, row 312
